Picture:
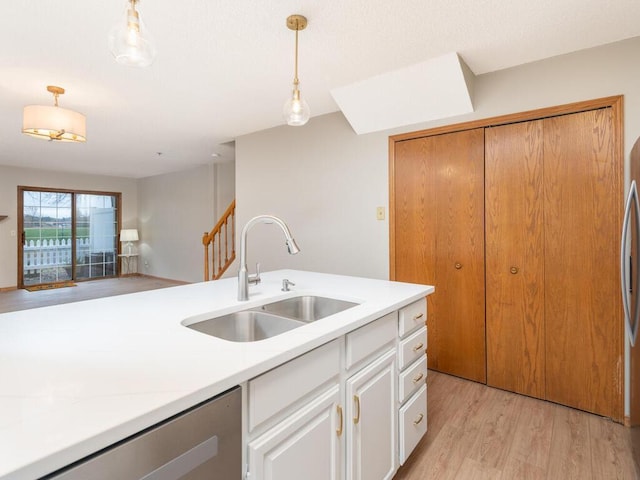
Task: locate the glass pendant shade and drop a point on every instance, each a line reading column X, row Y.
column 296, row 110
column 129, row 40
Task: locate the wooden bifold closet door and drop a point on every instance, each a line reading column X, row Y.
column 439, row 240
column 517, row 225
column 553, row 310
column 515, row 257
column 583, row 217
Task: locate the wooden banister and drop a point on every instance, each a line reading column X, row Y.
column 222, row 241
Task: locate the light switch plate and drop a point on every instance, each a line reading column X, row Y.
column 380, row 213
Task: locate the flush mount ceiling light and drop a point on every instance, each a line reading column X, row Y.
column 296, row 111
column 129, row 40
column 54, row 122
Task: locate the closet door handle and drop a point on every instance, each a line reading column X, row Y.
column 458, row 265
column 339, row 429
column 514, row 270
column 356, row 401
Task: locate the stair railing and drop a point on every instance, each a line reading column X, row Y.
column 222, row 242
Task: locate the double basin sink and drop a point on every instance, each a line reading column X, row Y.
column 272, row 319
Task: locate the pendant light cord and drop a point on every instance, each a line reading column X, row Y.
column 295, row 77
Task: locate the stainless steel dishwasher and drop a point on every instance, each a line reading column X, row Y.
column 202, row 443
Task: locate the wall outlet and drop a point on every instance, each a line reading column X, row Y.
column 380, row 213
column 13, row 233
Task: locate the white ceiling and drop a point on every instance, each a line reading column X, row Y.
column 224, row 68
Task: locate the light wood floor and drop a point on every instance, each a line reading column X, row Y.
column 479, row 432
column 13, row 300
column 475, row 431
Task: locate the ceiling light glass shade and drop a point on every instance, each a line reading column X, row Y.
column 54, row 123
column 296, row 110
column 129, row 40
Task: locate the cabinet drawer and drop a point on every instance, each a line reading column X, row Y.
column 413, row 423
column 412, row 378
column 368, row 339
column 412, row 347
column 278, row 388
column 412, row 316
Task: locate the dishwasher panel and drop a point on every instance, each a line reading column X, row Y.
column 201, row 443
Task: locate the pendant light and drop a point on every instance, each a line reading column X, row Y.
column 129, row 40
column 54, row 122
column 296, row 111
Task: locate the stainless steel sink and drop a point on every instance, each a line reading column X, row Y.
column 269, row 320
column 245, row 326
column 307, row 308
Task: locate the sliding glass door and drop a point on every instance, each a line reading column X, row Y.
column 67, row 236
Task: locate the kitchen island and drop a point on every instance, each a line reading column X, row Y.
column 79, row 377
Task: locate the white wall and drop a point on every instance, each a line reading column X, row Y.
column 326, row 182
column 225, row 187
column 175, row 210
column 11, row 177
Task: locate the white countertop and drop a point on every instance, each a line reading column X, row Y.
column 78, row 377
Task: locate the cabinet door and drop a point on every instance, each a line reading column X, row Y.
column 583, row 306
column 438, row 239
column 370, row 419
column 515, row 257
column 305, row 445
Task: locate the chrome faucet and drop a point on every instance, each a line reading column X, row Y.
column 244, row 279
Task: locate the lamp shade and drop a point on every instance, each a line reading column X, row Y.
column 54, row 123
column 129, row 235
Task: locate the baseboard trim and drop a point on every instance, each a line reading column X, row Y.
column 8, row 289
column 161, row 278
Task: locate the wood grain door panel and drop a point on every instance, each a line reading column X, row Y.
column 415, row 215
column 583, row 201
column 415, row 223
column 515, row 257
column 439, row 222
column 460, row 340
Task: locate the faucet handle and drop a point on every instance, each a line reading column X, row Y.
column 286, row 283
column 255, row 279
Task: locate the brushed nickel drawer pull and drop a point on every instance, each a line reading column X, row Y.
column 418, row 378
column 419, row 316
column 339, row 429
column 418, row 347
column 419, row 419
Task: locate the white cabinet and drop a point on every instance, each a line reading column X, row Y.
column 352, row 409
column 370, row 417
column 412, row 375
column 305, row 445
column 272, row 392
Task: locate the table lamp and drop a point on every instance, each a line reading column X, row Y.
column 129, row 235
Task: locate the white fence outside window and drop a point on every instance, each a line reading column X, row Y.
column 43, row 253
